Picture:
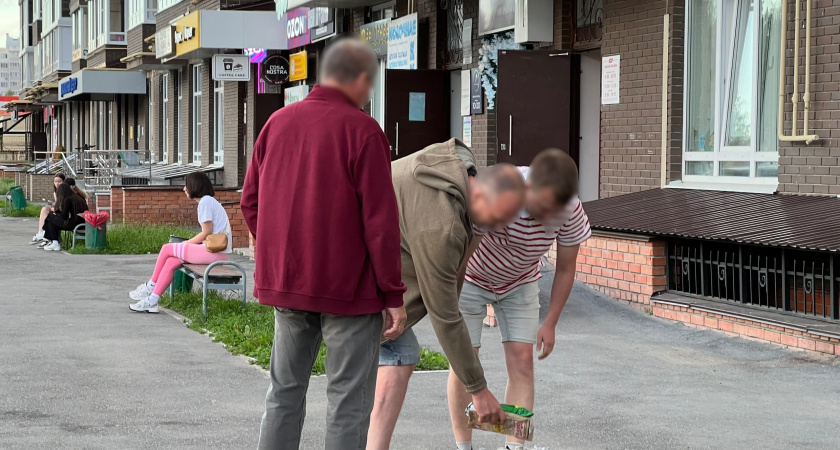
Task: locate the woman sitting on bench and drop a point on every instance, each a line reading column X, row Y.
column 213, row 220
column 46, row 210
column 68, row 213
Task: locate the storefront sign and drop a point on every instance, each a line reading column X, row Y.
column 610, row 78
column 231, row 68
column 465, row 92
column 402, row 43
column 187, row 36
column 376, row 34
column 467, row 131
column 297, row 32
column 466, row 41
column 275, row 70
column 294, row 94
column 297, row 66
column 321, row 23
column 164, row 42
column 496, row 15
column 68, row 87
column 476, row 92
column 255, row 55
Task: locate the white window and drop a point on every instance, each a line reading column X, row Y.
column 219, row 123
column 178, row 111
column 140, row 12
column 165, row 4
column 80, row 33
column 105, row 23
column 196, row 113
column 732, row 92
column 164, row 115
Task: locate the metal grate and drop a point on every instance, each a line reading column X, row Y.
column 454, row 53
column 774, row 278
column 588, row 21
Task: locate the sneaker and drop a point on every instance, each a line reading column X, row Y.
column 140, row 293
column 144, row 306
column 43, row 243
column 54, row 247
column 37, row 238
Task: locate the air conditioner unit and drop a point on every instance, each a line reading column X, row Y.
column 534, row 21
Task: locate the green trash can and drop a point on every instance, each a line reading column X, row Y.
column 96, row 237
column 18, row 199
column 180, row 282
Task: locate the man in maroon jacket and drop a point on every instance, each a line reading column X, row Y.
column 319, row 201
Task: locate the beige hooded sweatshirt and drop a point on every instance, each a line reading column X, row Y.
column 435, row 228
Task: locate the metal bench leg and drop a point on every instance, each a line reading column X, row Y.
column 204, row 294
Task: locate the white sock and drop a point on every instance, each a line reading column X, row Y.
column 464, row 445
column 40, row 234
column 55, row 242
column 153, row 299
column 150, row 284
column 514, row 446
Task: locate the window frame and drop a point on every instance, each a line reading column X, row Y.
column 219, row 122
column 197, row 79
column 164, row 117
column 725, row 54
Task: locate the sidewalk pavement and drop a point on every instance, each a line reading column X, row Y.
column 79, row 370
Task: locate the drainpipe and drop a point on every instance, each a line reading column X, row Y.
column 664, row 150
column 793, row 137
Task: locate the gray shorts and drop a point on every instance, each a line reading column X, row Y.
column 402, row 351
column 517, row 311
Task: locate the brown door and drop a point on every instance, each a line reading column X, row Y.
column 536, row 104
column 416, row 109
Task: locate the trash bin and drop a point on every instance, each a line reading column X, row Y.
column 18, row 199
column 180, row 282
column 96, row 236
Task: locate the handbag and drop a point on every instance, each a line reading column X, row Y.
column 216, row 242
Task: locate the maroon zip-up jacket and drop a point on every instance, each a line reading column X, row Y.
column 319, row 200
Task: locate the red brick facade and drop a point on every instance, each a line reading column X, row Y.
column 168, row 205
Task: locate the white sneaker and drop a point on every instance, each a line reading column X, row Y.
column 140, row 293
column 144, row 306
column 37, row 238
column 53, row 247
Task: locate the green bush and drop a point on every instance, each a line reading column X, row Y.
column 6, row 184
column 250, row 332
column 134, row 239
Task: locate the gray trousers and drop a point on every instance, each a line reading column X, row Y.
column 351, row 365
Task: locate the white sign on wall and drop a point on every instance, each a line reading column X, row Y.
column 294, row 94
column 231, row 67
column 402, row 43
column 468, row 131
column 466, row 41
column 610, row 79
column 465, row 92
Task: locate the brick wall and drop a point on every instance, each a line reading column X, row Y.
column 169, row 205
column 38, row 187
column 628, row 268
column 7, row 174
column 814, row 168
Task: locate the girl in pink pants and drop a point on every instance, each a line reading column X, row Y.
column 213, row 219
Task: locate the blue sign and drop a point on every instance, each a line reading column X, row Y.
column 69, row 86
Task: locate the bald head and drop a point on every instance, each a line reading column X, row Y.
column 349, row 65
column 496, row 196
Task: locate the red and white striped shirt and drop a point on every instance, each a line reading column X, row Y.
column 509, row 258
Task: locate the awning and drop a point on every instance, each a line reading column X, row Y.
column 339, row 4
column 101, row 84
column 793, row 221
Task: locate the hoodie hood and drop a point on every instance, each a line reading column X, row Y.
column 444, row 167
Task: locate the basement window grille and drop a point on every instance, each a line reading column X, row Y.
column 588, row 21
column 801, row 282
column 454, row 53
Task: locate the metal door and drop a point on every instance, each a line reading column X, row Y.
column 416, row 109
column 536, row 104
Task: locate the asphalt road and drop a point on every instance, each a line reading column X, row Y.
column 78, row 370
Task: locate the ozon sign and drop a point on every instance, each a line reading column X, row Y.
column 297, row 29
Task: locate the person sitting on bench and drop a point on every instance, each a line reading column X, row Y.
column 213, row 220
column 68, row 213
column 47, row 209
column 79, row 191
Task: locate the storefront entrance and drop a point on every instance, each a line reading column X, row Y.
column 537, row 104
column 416, row 109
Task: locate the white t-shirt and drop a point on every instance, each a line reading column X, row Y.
column 210, row 210
column 510, row 257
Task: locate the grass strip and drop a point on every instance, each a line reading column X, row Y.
column 135, row 239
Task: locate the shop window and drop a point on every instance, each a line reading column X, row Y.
column 732, row 92
column 219, row 123
column 164, row 116
column 196, row 113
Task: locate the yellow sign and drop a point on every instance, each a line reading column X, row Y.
column 297, row 69
column 187, row 36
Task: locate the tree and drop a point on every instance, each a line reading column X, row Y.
column 10, row 92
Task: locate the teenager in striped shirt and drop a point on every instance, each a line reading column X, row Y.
column 504, row 271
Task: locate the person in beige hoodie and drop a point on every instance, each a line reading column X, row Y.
column 440, row 195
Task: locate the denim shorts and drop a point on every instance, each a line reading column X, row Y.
column 402, row 351
column 517, row 311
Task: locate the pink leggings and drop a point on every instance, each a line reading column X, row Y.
column 172, row 256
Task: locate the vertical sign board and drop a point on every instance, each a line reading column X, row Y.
column 297, row 66
column 468, row 131
column 402, row 43
column 465, row 92
column 321, row 23
column 476, row 92
column 376, row 34
column 610, row 78
column 466, row 42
